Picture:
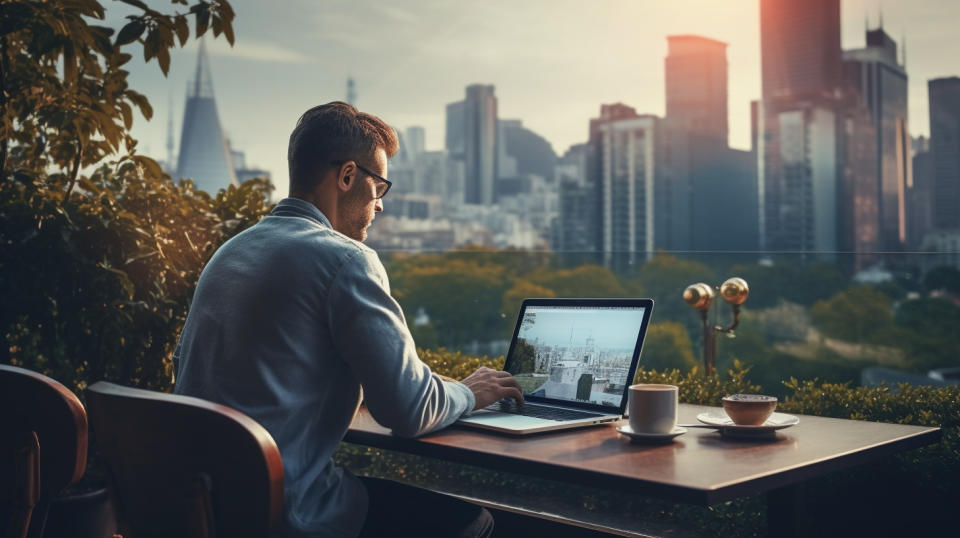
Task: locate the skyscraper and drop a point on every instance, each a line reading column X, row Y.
column 472, row 137
column 875, row 76
column 859, row 205
column 799, row 125
column 696, row 84
column 416, row 140
column 525, row 151
column 577, row 224
column 455, row 142
column 624, row 147
column 800, row 47
column 204, row 153
column 945, row 148
column 801, row 172
column 704, row 191
column 920, row 196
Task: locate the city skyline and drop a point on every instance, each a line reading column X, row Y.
column 553, row 89
column 560, row 326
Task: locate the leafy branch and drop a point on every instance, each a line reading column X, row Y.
column 64, row 93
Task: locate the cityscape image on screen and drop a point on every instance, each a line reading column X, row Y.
column 576, row 353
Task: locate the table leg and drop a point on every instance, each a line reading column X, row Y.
column 785, row 511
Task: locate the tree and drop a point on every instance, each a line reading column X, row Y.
column 668, row 346
column 524, row 357
column 583, row 281
column 855, row 314
column 797, row 283
column 521, row 289
column 97, row 267
column 463, row 300
column 63, row 90
column 665, row 277
column 942, row 278
column 932, row 324
column 99, row 287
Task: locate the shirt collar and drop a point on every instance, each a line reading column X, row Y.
column 295, row 207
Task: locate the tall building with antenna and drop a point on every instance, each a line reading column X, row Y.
column 877, row 77
column 351, row 92
column 204, row 152
column 169, row 164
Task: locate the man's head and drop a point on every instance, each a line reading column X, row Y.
column 338, row 161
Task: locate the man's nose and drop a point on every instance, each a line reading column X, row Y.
column 378, row 206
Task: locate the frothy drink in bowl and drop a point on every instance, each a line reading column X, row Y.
column 749, row 409
column 653, row 408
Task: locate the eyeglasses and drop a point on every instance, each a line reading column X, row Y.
column 382, row 187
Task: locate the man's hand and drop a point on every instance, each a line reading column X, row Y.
column 489, row 385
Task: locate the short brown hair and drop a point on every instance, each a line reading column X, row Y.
column 334, row 132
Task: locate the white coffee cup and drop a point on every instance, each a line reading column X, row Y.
column 653, row 408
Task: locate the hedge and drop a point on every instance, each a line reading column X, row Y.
column 907, row 494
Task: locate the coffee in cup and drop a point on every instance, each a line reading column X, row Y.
column 653, row 408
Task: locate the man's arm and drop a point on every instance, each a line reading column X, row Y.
column 371, row 335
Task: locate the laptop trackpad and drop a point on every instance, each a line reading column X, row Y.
column 505, row 420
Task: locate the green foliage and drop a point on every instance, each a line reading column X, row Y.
column 665, row 277
column 521, row 289
column 695, row 388
column 798, row 283
column 98, row 286
column 455, row 364
column 922, row 482
column 930, row 336
column 64, row 95
column 855, row 314
column 582, row 281
column 930, row 474
column 748, row 345
column 944, row 278
column 475, row 294
column 668, row 346
column 97, row 267
column 463, row 299
column 524, row 356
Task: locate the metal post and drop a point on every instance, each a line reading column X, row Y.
column 700, row 296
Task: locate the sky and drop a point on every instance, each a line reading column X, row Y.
column 553, row 62
column 612, row 329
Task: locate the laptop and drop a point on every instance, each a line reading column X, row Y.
column 574, row 359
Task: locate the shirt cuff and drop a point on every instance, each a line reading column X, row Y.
column 457, row 387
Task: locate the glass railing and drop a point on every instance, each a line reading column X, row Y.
column 862, row 319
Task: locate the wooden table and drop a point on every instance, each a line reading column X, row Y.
column 700, row 467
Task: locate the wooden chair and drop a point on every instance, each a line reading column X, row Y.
column 183, row 466
column 43, row 447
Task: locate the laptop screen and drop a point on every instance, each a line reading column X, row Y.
column 579, row 354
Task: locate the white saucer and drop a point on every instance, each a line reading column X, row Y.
column 718, row 417
column 638, row 436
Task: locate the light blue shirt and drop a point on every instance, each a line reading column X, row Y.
column 292, row 323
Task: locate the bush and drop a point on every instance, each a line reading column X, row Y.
column 97, row 286
column 96, row 271
column 455, row 364
column 867, row 500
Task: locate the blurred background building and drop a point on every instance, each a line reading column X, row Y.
column 205, row 155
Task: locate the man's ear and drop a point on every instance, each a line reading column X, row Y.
column 346, row 175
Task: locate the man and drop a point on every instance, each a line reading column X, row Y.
column 292, row 323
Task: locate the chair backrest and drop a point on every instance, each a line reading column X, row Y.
column 184, row 466
column 43, row 442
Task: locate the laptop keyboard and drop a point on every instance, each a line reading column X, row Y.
column 539, row 411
